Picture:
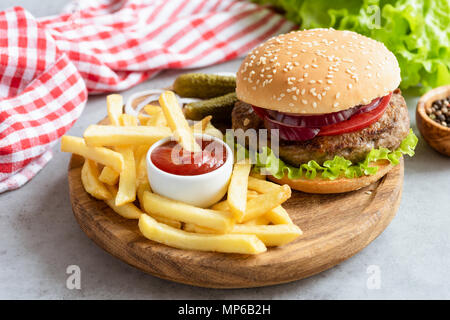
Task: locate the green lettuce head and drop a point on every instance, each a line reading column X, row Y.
column 416, row 31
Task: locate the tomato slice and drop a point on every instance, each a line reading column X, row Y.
column 358, row 121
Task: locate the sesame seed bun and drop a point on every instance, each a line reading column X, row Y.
column 317, row 71
column 340, row 185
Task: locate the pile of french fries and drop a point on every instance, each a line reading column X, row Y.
column 250, row 219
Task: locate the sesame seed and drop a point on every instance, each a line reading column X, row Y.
column 304, row 101
column 349, row 86
column 336, row 104
column 294, row 98
column 315, row 104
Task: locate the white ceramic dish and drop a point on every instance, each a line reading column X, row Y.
column 200, row 190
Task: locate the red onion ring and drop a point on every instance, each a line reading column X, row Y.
column 300, row 128
column 315, row 121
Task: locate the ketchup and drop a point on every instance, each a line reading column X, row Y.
column 172, row 158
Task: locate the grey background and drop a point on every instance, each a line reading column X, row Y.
column 39, row 237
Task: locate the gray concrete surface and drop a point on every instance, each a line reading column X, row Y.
column 39, row 237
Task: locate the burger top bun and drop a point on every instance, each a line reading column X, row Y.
column 317, row 71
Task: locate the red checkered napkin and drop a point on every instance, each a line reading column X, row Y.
column 46, row 65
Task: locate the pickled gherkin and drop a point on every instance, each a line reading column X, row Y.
column 203, row 85
column 219, row 108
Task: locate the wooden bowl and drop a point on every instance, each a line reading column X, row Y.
column 435, row 134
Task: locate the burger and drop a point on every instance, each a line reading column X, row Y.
column 331, row 98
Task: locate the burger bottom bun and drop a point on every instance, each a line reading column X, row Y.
column 340, row 185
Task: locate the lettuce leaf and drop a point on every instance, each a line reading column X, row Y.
column 268, row 163
column 416, row 31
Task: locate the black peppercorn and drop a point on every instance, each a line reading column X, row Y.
column 440, row 112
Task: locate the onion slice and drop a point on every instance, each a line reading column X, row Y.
column 292, row 127
column 290, row 133
column 317, row 121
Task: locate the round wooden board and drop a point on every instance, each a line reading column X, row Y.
column 335, row 227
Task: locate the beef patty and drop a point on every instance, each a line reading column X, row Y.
column 387, row 132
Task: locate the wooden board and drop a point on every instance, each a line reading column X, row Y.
column 335, row 228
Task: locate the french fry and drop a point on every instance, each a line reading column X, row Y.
column 261, row 220
column 200, row 126
column 221, row 206
column 114, row 105
column 100, row 155
column 237, row 189
column 109, row 176
column 158, row 120
column 156, row 114
column 258, row 175
column 164, row 207
column 273, row 235
column 91, row 183
column 190, row 227
column 262, row 186
column 232, row 243
column 265, row 202
column 278, row 215
column 205, row 126
column 213, row 131
column 127, row 181
column 145, row 186
column 170, row 222
column 127, row 120
column 141, row 152
column 252, row 194
column 151, row 109
column 98, row 135
column 141, row 164
column 177, row 123
column 143, row 120
column 142, row 187
column 128, row 210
